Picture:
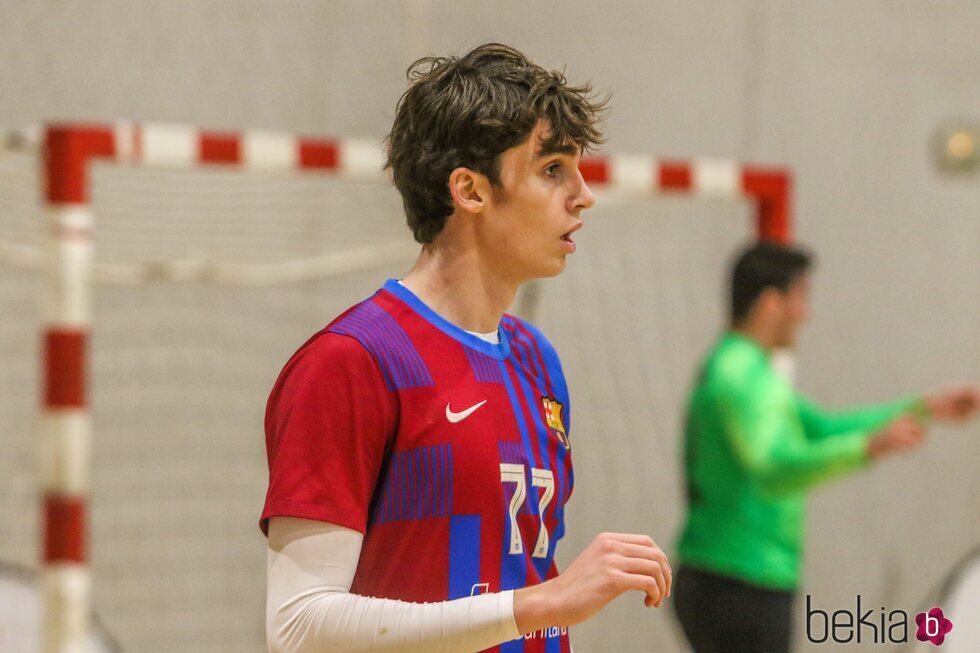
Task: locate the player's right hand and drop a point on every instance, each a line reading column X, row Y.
column 612, row 564
column 954, row 405
column 901, row 434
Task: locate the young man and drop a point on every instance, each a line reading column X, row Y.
column 418, row 445
column 753, row 449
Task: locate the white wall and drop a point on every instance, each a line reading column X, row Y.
column 845, row 93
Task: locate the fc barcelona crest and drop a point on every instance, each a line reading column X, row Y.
column 552, row 413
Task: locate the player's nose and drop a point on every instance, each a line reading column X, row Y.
column 583, row 199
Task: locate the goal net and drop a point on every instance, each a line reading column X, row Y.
column 637, row 306
column 208, row 277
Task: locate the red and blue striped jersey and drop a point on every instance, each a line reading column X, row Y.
column 450, row 453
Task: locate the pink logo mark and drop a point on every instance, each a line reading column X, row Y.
column 933, row 626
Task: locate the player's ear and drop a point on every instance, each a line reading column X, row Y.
column 770, row 301
column 470, row 189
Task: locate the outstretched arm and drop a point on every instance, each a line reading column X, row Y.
column 956, row 404
column 820, row 423
column 774, row 452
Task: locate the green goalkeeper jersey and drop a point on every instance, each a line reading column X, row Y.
column 753, row 446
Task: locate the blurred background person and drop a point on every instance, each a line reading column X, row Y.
column 754, row 447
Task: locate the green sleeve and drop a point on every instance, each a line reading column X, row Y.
column 768, row 442
column 819, row 423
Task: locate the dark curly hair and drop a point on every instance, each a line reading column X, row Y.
column 764, row 265
column 465, row 112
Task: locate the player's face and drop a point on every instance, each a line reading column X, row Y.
column 533, row 214
column 795, row 310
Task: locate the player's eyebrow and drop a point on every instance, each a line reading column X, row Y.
column 558, row 148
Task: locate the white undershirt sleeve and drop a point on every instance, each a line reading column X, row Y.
column 309, row 606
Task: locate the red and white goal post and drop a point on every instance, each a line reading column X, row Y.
column 69, row 151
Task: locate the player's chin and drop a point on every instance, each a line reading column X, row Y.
column 557, row 267
column 549, row 266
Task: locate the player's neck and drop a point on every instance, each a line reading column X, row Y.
column 457, row 287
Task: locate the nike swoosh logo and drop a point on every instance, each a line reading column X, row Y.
column 460, row 416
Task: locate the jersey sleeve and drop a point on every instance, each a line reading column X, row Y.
column 820, row 423
column 327, row 426
column 780, row 458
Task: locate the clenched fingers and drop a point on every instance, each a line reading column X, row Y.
column 653, row 555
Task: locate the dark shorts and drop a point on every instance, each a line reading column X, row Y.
column 724, row 615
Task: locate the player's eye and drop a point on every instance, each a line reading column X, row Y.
column 552, row 169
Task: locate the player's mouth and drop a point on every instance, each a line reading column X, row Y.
column 567, row 237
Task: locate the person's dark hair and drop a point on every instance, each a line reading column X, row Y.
column 465, row 111
column 764, row 265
